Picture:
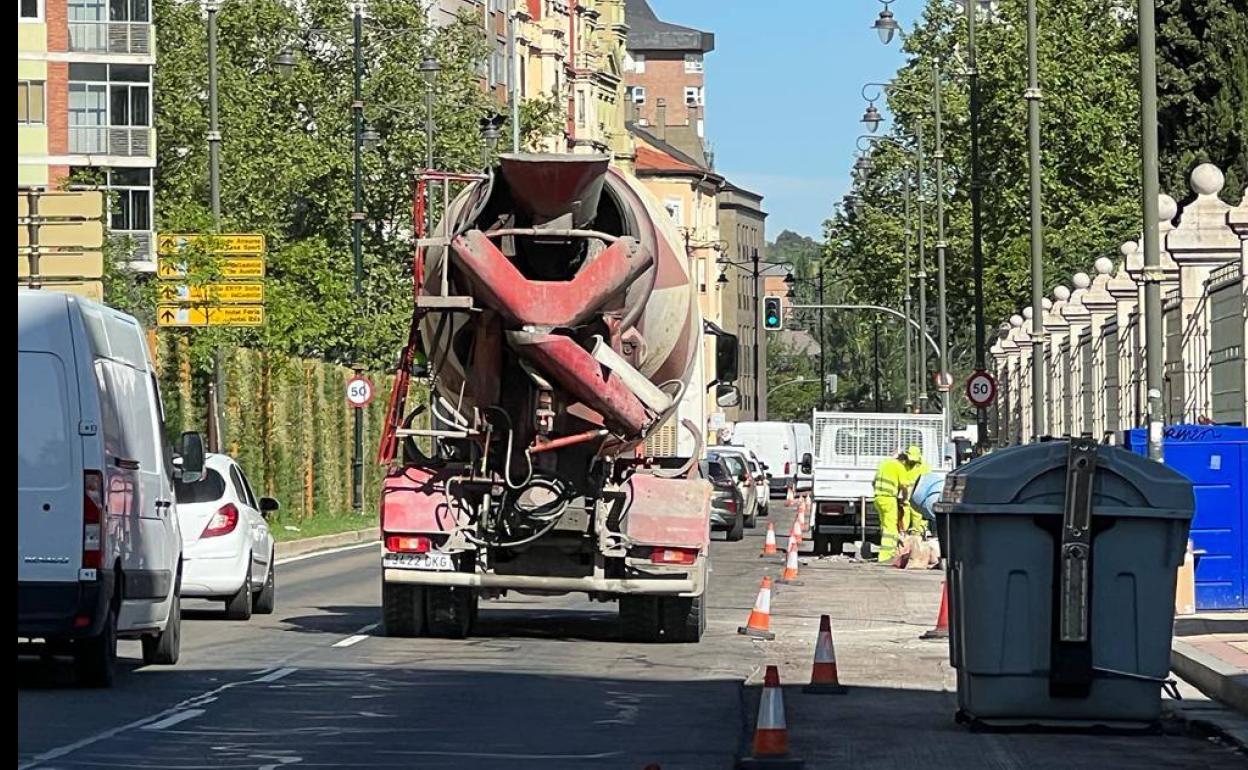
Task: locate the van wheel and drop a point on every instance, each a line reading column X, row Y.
column 163, row 648
column 238, row 606
column 95, row 657
column 265, row 598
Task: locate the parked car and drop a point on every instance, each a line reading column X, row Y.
column 226, row 542
column 737, row 462
column 99, row 550
column 762, row 483
column 727, row 507
column 776, row 444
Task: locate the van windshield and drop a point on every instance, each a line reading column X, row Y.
column 209, row 488
column 43, row 449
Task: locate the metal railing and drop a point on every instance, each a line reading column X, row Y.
column 129, row 37
column 126, row 141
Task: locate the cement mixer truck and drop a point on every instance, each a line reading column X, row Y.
column 556, row 320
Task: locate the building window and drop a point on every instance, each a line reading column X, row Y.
column 130, row 205
column 693, row 96
column 674, row 210
column 30, row 10
column 581, row 109
column 639, row 63
column 693, row 63
column 29, row 102
column 639, row 95
column 109, row 96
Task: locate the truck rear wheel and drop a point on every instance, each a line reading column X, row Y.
column 663, row 619
column 450, row 612
column 403, row 609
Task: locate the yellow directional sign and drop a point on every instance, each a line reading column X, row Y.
column 216, row 293
column 58, row 204
column 223, row 243
column 231, row 267
column 225, row 315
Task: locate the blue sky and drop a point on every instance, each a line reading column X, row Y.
column 783, row 95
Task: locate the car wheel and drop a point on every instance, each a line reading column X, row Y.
column 737, row 531
column 163, row 648
column 238, row 606
column 95, row 658
column 265, row 598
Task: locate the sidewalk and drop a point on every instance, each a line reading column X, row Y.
column 1210, row 650
column 899, row 711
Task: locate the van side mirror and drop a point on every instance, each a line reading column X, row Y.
column 807, row 462
column 727, row 395
column 268, row 505
column 726, row 353
column 191, row 457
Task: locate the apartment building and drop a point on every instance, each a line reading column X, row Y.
column 84, row 95
column 666, row 62
column 742, row 226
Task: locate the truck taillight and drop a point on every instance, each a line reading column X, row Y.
column 223, row 521
column 92, row 519
column 408, row 544
column 674, row 555
column 786, row 468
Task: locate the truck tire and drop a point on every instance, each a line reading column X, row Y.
column 95, row 657
column 450, row 612
column 737, row 530
column 163, row 649
column 682, row 619
column 238, row 606
column 403, row 609
column 639, row 618
column 266, row 598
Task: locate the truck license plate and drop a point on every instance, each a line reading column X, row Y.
column 431, row 561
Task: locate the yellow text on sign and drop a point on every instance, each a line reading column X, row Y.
column 230, row 267
column 219, row 293
column 225, row 243
column 225, row 315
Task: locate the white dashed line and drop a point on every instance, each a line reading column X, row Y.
column 357, row 637
column 275, row 675
column 174, row 719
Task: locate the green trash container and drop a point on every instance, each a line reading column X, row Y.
column 1062, row 564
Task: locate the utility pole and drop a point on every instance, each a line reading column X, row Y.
column 875, row 347
column 754, row 276
column 216, row 391
column 921, row 276
column 906, row 299
column 823, row 387
column 1032, row 95
column 1152, row 255
column 977, row 239
column 357, row 242
column 941, row 247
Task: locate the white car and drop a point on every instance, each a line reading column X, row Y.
column 227, row 548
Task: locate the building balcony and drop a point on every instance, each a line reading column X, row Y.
column 119, row 37
column 118, row 141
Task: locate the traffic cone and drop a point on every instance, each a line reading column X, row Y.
column 760, row 617
column 789, row 576
column 823, row 676
column 788, row 498
column 941, row 631
column 769, row 545
column 771, row 733
column 795, row 532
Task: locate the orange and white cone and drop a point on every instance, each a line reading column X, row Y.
column 771, row 732
column 795, row 532
column 823, row 676
column 769, row 544
column 788, row 498
column 759, row 624
column 789, row 576
column 941, row 631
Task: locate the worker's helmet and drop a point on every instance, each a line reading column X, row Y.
column 914, row 454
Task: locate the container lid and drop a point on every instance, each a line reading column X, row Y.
column 1031, row 479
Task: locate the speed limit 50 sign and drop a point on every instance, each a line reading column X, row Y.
column 359, row 391
column 981, row 389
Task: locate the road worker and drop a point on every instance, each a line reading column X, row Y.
column 912, row 519
column 892, row 480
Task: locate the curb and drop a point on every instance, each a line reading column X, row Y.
column 289, row 548
column 1212, row 676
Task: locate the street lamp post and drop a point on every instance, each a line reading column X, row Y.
column 1152, row 254
column 818, row 285
column 357, row 242
column 755, row 273
column 429, row 69
column 217, row 390
column 1032, row 95
column 941, row 245
column 977, row 241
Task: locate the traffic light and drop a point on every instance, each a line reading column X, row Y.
column 773, row 318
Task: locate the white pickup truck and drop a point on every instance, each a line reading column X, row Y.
column 848, row 448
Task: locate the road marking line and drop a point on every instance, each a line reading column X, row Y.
column 356, row 638
column 330, row 552
column 275, row 675
column 173, row 719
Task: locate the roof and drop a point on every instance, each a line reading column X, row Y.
column 655, row 156
column 647, row 32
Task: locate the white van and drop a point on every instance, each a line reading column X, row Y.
column 98, row 547
column 776, row 444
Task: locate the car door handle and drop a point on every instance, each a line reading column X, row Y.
column 164, row 503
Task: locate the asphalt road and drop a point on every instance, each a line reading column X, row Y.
column 544, row 683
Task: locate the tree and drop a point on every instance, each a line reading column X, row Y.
column 1202, row 84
